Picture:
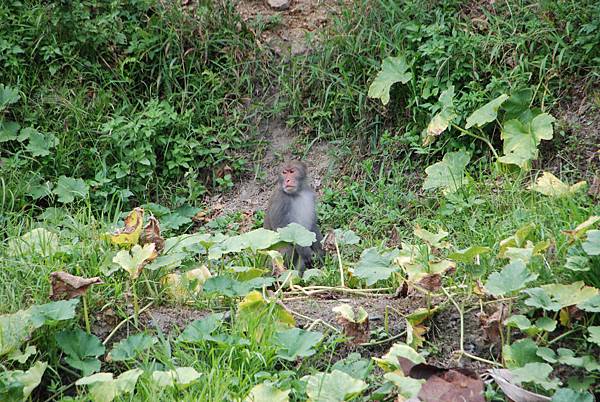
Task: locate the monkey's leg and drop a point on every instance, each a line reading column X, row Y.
column 317, row 247
column 304, row 259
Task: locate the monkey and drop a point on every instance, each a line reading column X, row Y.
column 293, row 200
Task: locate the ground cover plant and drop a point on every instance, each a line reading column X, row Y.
column 459, row 200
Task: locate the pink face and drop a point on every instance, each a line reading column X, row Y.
column 290, row 179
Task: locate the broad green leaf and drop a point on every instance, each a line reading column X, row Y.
column 8, row 96
column 40, row 190
column 103, row 388
column 345, row 237
column 486, row 113
column 40, row 144
column 549, row 185
column 32, row 377
column 519, row 239
column 448, row 174
column 389, row 361
column 131, row 347
column 21, row 356
column 68, row 188
column 570, row 294
column 594, row 332
column 8, row 130
column 181, row 376
column 518, row 103
column 169, row 262
column 17, row 385
column 536, row 373
column 592, row 245
column 38, row 241
column 591, row 305
column 546, row 324
column 520, row 353
column 255, row 308
column 41, row 314
column 189, row 244
column 296, row 234
column 419, row 262
column 393, row 70
column 578, row 263
column 440, row 122
column 407, row 387
column 295, row 342
column 15, row 329
column 539, row 298
column 582, row 228
column 569, row 395
column 174, row 221
column 521, row 140
column 524, row 325
column 82, row 350
column 201, row 330
column 468, row 254
column 261, row 239
column 433, row 239
column 547, row 354
column 134, row 262
column 346, row 312
column 228, row 287
column 336, row 386
column 354, row 365
column 513, row 277
column 267, row 392
column 373, row 266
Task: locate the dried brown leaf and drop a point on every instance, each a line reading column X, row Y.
column 66, row 286
column 151, row 234
column 329, row 242
column 431, row 283
column 492, row 324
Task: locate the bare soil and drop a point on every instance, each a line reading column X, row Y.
column 290, row 32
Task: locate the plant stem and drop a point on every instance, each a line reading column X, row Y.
column 119, row 325
column 339, row 257
column 86, row 315
column 489, row 144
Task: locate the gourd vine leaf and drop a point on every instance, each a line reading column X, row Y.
column 393, row 70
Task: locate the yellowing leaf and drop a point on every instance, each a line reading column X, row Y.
column 440, row 122
column 130, row 234
column 134, row 262
column 181, row 286
column 582, row 228
column 266, row 392
column 550, row 185
column 254, row 309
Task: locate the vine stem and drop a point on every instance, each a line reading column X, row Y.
column 462, row 351
column 315, row 321
column 489, row 144
column 119, row 325
column 339, row 257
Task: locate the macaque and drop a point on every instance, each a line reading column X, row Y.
column 294, row 201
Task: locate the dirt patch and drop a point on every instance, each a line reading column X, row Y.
column 443, row 336
column 288, row 32
column 575, row 150
column 170, row 320
column 252, row 192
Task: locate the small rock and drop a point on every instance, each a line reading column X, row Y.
column 279, row 5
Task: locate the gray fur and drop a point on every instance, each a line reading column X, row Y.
column 298, row 207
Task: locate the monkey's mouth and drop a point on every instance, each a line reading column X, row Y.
column 289, row 189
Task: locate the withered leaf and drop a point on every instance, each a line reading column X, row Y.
column 67, row 286
column 151, row 234
column 130, row 234
column 450, row 385
column 492, row 324
column 431, row 283
column 329, row 242
column 504, row 379
column 355, row 327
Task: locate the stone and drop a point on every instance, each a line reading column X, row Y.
column 279, row 5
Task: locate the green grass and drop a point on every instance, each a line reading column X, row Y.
column 149, row 103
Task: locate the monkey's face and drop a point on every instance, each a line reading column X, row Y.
column 292, row 176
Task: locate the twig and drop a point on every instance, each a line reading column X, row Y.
column 386, row 340
column 119, row 325
column 314, row 320
column 339, row 257
column 462, row 351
